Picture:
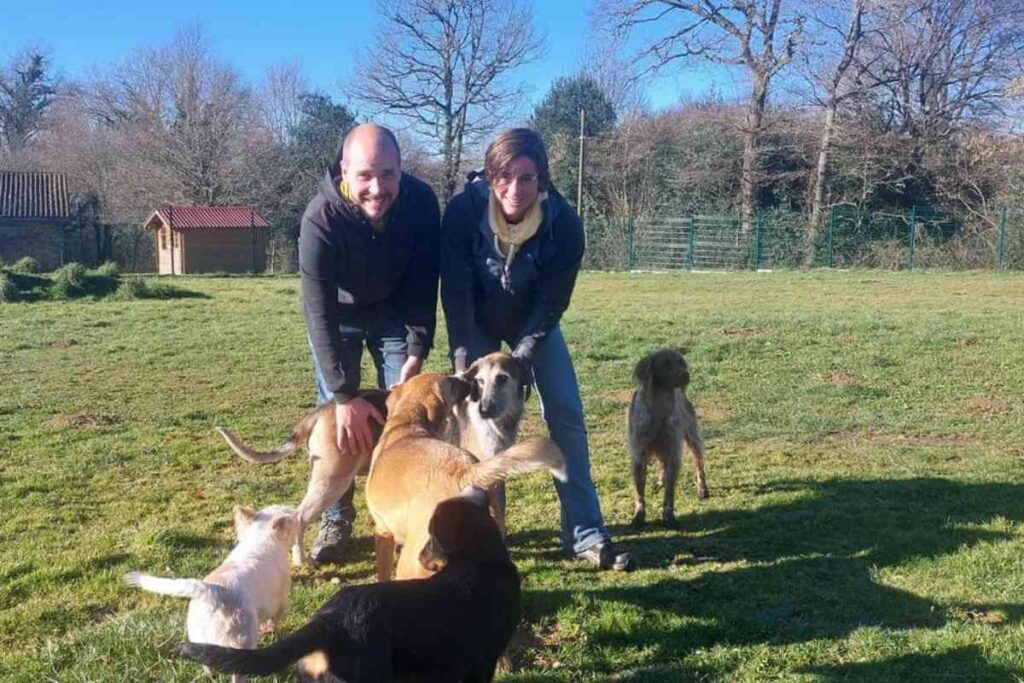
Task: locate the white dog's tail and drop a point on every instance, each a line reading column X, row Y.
column 298, row 436
column 528, row 456
column 177, row 588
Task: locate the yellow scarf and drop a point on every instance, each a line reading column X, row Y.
column 508, row 237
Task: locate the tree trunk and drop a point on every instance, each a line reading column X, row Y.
column 751, row 138
column 820, row 180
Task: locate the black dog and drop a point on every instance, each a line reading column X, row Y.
column 451, row 627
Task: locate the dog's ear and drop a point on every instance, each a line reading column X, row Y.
column 243, row 517
column 683, row 367
column 456, row 389
column 470, row 376
column 393, row 397
column 643, row 371
column 285, row 527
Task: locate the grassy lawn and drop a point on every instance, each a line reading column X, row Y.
column 865, row 434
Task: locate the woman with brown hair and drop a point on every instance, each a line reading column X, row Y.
column 511, row 249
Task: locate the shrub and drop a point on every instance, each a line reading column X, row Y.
column 72, row 274
column 101, row 281
column 8, row 288
column 26, row 264
column 107, row 270
column 132, row 287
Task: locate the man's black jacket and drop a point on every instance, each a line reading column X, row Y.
column 353, row 275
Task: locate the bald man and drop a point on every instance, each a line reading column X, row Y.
column 368, row 263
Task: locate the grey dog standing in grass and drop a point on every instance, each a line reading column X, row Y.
column 660, row 419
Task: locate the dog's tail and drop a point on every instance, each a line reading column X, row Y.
column 177, row 588
column 528, row 456
column 307, row 641
column 298, row 436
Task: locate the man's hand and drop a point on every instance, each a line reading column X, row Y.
column 353, row 420
column 410, row 369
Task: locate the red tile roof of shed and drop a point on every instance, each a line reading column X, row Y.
column 193, row 217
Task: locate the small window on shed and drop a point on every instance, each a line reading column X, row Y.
column 163, row 239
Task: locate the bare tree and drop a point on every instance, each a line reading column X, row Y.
column 187, row 114
column 837, row 74
column 279, row 95
column 759, row 35
column 443, row 67
column 602, row 61
column 946, row 62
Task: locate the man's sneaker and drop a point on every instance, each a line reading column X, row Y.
column 606, row 555
column 329, row 546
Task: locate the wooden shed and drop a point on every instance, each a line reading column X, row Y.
column 209, row 239
column 34, row 217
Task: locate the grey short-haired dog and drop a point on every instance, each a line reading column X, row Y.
column 659, row 421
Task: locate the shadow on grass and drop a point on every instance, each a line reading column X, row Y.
column 961, row 664
column 163, row 291
column 807, row 569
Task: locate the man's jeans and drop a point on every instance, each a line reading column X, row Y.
column 389, row 349
column 562, row 410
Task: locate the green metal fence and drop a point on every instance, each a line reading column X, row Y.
column 848, row 238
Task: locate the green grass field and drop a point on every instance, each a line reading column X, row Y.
column 865, row 434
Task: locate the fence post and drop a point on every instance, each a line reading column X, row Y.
column 1002, row 235
column 631, row 248
column 757, row 240
column 913, row 231
column 831, row 229
column 689, row 241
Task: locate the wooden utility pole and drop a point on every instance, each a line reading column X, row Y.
column 579, row 175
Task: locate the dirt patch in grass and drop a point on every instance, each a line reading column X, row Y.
column 620, row 396
column 520, row 651
column 65, row 343
column 987, row 405
column 744, row 332
column 980, row 616
column 840, row 378
column 79, row 421
column 887, row 439
column 714, row 414
column 964, row 342
column 545, row 647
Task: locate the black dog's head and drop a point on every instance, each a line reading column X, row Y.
column 461, row 529
column 662, row 369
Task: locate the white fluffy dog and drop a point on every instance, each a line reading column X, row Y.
column 248, row 590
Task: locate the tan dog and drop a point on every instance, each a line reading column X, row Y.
column 330, row 473
column 249, row 590
column 415, row 466
column 489, row 418
column 660, row 419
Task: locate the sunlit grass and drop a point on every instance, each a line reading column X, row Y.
column 865, row 440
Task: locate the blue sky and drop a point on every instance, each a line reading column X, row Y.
column 322, row 37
